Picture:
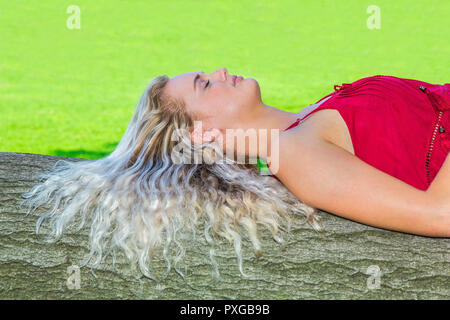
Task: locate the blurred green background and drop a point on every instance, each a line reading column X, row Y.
column 72, row 92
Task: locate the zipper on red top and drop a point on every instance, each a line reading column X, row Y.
column 431, row 145
column 445, row 142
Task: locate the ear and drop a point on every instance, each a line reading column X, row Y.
column 200, row 136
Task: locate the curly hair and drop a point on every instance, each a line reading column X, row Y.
column 138, row 199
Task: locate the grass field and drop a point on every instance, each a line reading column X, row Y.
column 71, row 92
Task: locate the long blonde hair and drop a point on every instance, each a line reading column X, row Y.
column 137, row 199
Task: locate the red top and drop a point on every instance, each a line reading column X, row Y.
column 399, row 126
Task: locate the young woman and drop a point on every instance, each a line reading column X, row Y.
column 373, row 151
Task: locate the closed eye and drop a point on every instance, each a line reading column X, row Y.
column 207, row 84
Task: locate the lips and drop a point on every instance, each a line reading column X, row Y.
column 237, row 79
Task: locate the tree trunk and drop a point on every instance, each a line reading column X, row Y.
column 347, row 260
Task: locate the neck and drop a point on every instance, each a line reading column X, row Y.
column 273, row 118
column 269, row 118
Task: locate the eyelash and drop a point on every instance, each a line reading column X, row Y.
column 207, row 83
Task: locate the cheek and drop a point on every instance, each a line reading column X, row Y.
column 221, row 101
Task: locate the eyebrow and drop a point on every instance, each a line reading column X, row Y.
column 196, row 78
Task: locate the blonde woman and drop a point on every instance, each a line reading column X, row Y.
column 373, row 151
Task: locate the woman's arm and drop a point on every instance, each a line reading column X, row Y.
column 440, row 186
column 330, row 178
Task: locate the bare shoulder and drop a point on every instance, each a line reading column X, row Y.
column 326, row 176
column 329, row 125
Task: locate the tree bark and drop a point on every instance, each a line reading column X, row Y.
column 347, row 260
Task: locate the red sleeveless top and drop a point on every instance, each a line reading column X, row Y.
column 399, row 126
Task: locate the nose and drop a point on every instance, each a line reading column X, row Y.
column 223, row 73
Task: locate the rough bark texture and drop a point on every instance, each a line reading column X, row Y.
column 332, row 264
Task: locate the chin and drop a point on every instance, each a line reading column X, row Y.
column 251, row 80
column 254, row 88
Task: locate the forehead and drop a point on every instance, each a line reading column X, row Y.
column 182, row 85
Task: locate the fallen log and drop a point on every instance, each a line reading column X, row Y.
column 347, row 260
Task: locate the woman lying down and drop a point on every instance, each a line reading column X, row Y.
column 373, row 151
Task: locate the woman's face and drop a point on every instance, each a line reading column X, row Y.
column 215, row 99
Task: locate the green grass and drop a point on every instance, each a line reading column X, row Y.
column 72, row 92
